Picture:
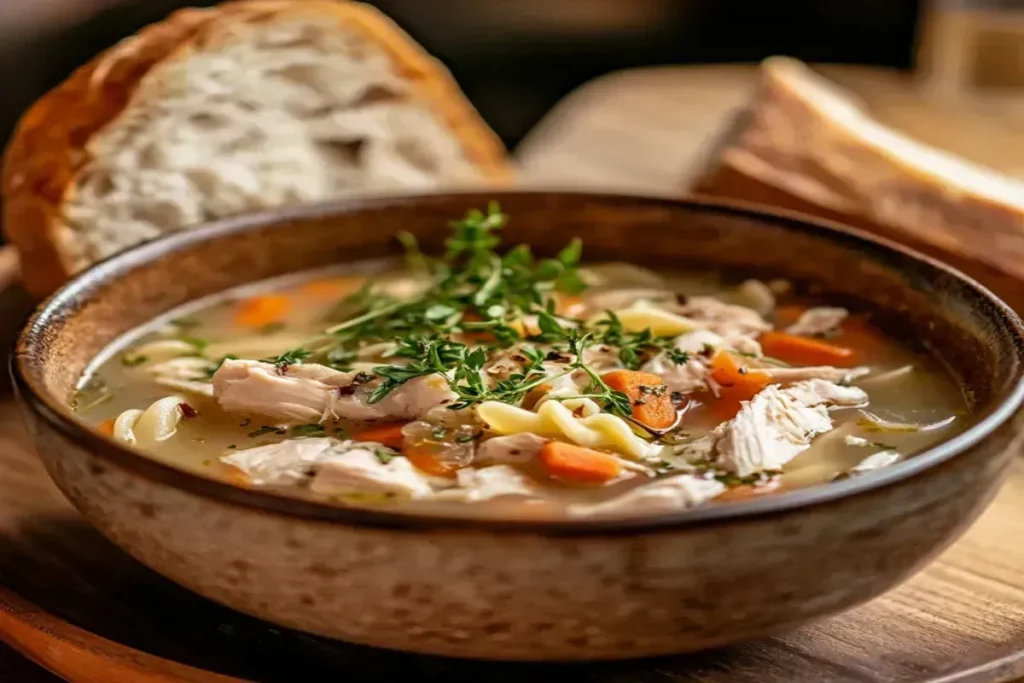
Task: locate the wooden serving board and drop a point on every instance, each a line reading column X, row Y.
column 76, row 604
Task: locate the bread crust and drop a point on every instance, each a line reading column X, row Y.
column 821, row 151
column 48, row 149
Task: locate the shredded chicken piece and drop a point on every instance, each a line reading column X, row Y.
column 308, row 392
column 189, row 374
column 684, row 378
column 724, row 318
column 875, row 461
column 701, row 346
column 818, row 321
column 360, row 471
column 678, row 492
column 332, row 467
column 491, row 482
column 759, row 295
column 514, row 449
column 777, row 425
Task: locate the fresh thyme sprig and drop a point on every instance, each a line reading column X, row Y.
column 635, row 348
column 472, row 289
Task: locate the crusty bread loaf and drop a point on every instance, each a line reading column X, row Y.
column 248, row 105
column 805, row 144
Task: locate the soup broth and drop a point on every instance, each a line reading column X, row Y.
column 506, row 385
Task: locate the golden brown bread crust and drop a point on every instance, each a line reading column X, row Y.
column 47, row 150
column 792, row 150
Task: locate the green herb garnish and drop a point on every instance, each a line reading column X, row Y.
column 290, row 357
column 307, row 430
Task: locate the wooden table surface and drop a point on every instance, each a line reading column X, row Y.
column 643, row 130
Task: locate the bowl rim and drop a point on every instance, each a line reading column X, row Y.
column 26, row 371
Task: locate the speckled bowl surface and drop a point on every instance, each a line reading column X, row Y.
column 576, row 589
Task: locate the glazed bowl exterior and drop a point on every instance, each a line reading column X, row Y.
column 532, row 590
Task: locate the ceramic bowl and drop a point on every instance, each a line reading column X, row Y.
column 532, row 590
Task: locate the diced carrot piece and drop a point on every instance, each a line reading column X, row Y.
column 577, row 465
column 734, row 379
column 424, row 457
column 648, row 395
column 331, row 288
column 388, row 434
column 262, row 310
column 799, row 350
column 106, row 427
column 735, row 386
column 570, row 305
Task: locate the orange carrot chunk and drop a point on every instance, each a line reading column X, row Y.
column 736, row 380
column 388, row 434
column 736, row 385
column 425, row 457
column 799, row 350
column 648, row 395
column 577, row 465
column 106, row 427
column 262, row 310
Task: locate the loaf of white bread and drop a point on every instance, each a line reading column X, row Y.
column 211, row 112
column 802, row 143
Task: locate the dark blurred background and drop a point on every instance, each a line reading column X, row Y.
column 514, row 58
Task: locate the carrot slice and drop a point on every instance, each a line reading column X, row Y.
column 106, row 427
column 735, row 386
column 423, row 457
column 388, row 434
column 262, row 310
column 648, row 395
column 570, row 305
column 799, row 350
column 734, row 379
column 578, row 465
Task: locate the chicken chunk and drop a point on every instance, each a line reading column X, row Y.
column 288, row 462
column 189, row 374
column 679, row 492
column 683, row 378
column 308, row 392
column 496, row 481
column 818, row 321
column 331, row 466
column 514, row 449
column 724, row 318
column 691, row 376
column 362, row 471
column 778, row 424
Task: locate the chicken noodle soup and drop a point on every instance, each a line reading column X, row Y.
column 491, row 382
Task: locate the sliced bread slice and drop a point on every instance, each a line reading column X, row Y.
column 805, row 144
column 248, row 105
